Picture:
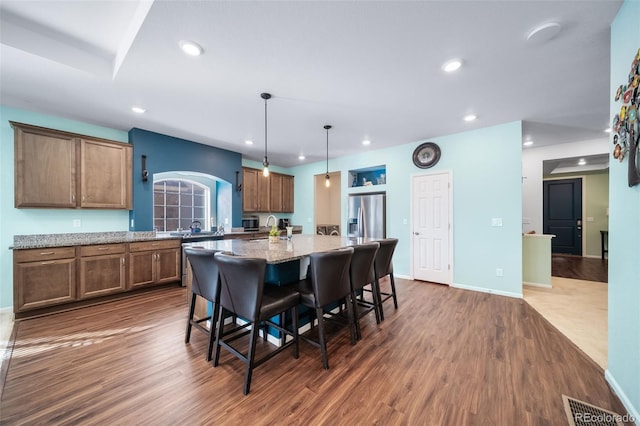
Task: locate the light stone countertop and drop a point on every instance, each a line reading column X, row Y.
column 300, row 245
column 85, row 238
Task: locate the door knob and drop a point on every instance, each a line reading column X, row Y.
column 416, row 233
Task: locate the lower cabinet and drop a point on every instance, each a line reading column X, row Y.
column 44, row 277
column 102, row 270
column 154, row 262
column 50, row 277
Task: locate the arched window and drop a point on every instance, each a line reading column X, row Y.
column 179, row 202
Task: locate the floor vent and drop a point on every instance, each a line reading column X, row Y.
column 580, row 413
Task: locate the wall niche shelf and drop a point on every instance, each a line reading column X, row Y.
column 368, row 176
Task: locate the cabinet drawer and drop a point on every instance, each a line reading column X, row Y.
column 50, row 253
column 102, row 249
column 153, row 245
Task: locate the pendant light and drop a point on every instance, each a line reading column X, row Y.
column 265, row 162
column 327, row 181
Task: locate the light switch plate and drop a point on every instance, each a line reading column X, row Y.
column 496, row 221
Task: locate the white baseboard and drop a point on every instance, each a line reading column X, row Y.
column 591, row 256
column 488, row 290
column 537, row 284
column 404, row 277
column 623, row 396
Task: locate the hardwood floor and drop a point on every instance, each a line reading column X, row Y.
column 579, row 268
column 446, row 357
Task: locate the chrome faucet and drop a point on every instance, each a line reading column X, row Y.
column 275, row 220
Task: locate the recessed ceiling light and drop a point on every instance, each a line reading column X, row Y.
column 248, row 142
column 452, row 65
column 301, row 157
column 528, row 143
column 582, row 162
column 470, row 117
column 190, row 48
column 366, row 142
column 543, row 33
column 607, row 130
column 138, row 110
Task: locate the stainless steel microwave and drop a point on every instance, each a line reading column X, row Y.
column 251, row 223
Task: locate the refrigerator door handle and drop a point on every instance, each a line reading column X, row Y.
column 360, row 224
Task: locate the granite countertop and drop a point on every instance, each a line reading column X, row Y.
column 86, row 238
column 300, row 245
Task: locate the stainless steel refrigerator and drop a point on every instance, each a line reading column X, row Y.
column 367, row 215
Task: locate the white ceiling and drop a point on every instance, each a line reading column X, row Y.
column 372, row 69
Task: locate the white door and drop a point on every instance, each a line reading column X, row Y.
column 431, row 228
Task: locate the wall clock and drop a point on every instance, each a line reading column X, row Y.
column 426, row 155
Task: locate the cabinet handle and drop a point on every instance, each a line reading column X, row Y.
column 122, row 261
column 73, row 197
column 104, row 248
column 46, row 253
column 83, row 198
column 50, row 262
column 155, row 244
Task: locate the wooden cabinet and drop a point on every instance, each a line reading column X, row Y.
column 45, row 168
column 271, row 194
column 255, row 191
column 102, row 270
column 154, row 262
column 67, row 170
column 287, row 194
column 105, row 175
column 44, row 277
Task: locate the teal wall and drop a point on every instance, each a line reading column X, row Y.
column 43, row 221
column 624, row 232
column 486, row 172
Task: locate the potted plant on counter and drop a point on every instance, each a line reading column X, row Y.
column 274, row 234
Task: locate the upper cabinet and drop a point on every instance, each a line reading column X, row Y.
column 65, row 170
column 266, row 194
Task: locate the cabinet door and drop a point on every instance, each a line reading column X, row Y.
column 45, row 169
column 249, row 190
column 287, row 194
column 105, row 171
column 141, row 268
column 275, row 186
column 100, row 275
column 168, row 266
column 264, row 192
column 45, row 283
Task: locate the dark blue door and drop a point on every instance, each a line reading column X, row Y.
column 562, row 214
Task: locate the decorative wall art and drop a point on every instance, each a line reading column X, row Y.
column 625, row 127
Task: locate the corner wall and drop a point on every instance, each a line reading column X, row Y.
column 623, row 372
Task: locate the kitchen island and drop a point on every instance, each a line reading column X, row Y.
column 287, row 260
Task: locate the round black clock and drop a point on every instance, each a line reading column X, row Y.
column 426, row 155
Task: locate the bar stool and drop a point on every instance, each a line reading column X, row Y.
column 383, row 266
column 243, row 292
column 361, row 273
column 327, row 283
column 205, row 284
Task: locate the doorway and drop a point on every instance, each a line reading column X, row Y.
column 562, row 214
column 327, row 201
column 431, row 228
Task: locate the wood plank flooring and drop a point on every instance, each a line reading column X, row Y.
column 579, row 268
column 446, row 357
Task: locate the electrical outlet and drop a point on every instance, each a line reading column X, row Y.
column 496, row 221
column 405, row 221
column 499, row 272
column 77, row 223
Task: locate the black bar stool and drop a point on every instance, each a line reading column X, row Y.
column 383, row 266
column 327, row 283
column 361, row 273
column 242, row 292
column 205, row 284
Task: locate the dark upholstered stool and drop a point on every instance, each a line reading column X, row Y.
column 205, row 284
column 383, row 266
column 327, row 282
column 243, row 292
column 361, row 273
